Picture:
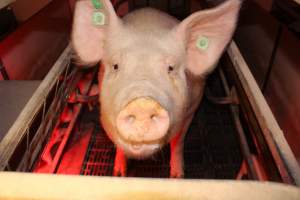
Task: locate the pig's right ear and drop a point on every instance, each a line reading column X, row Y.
column 88, row 36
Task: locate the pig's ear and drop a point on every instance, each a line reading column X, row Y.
column 88, row 36
column 206, row 34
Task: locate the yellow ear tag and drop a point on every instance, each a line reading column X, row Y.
column 98, row 18
column 202, row 43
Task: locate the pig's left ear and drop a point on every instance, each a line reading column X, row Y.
column 92, row 21
column 206, row 34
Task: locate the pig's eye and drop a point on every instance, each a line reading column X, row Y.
column 170, row 68
column 116, row 66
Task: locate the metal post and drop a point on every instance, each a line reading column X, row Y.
column 3, row 71
column 272, row 59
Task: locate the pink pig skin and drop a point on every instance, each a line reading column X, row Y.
column 152, row 73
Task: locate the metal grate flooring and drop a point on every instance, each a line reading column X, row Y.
column 211, row 146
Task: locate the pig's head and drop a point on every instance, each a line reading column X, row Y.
column 144, row 93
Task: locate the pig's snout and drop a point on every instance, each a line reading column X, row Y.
column 143, row 120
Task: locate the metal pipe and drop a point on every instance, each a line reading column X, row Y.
column 272, row 59
column 3, row 71
column 243, row 141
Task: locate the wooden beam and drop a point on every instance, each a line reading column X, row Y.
column 43, row 186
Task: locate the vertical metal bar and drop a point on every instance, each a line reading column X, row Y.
column 130, row 5
column 169, row 6
column 272, row 59
column 44, row 110
column 8, row 168
column 3, row 71
column 26, row 154
column 242, row 137
column 187, row 7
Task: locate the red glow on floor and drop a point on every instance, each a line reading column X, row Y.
column 73, row 157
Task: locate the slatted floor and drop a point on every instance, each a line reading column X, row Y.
column 211, row 146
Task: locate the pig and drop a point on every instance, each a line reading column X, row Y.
column 152, row 73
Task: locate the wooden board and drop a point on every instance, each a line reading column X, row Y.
column 42, row 186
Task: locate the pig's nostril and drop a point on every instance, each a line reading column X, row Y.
column 131, row 118
column 154, row 117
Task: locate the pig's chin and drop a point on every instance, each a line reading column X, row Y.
column 138, row 151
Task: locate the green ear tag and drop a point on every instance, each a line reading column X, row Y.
column 202, row 42
column 98, row 18
column 97, row 4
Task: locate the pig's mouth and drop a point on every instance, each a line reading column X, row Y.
column 139, row 150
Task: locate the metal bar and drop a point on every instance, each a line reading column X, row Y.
column 231, row 99
column 169, row 6
column 73, row 158
column 52, row 163
column 250, row 160
column 47, row 125
column 131, row 5
column 3, row 71
column 243, row 141
column 187, row 7
column 243, row 171
column 272, row 59
column 258, row 168
column 16, row 133
column 285, row 160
